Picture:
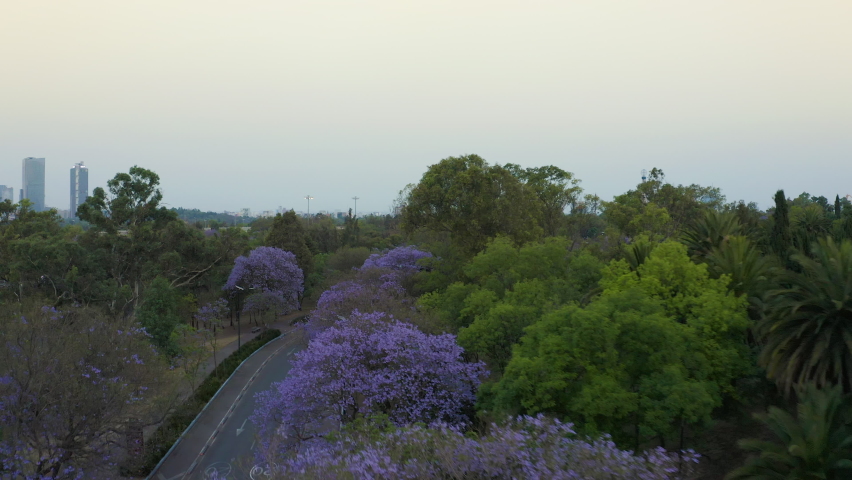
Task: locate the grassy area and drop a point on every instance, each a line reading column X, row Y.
column 174, row 425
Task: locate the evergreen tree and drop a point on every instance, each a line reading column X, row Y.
column 837, row 208
column 288, row 234
column 781, row 239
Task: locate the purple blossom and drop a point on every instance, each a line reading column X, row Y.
column 268, row 269
column 364, row 364
column 525, row 447
column 210, row 313
column 400, row 258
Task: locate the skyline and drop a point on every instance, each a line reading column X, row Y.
column 255, row 106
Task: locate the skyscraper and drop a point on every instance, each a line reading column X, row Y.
column 33, row 182
column 7, row 193
column 79, row 187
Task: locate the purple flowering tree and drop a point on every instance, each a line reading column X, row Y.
column 402, row 259
column 365, row 364
column 268, row 270
column 210, row 316
column 378, row 286
column 263, row 302
column 525, row 447
column 70, row 384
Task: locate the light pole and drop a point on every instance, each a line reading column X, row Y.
column 240, row 291
column 356, row 206
column 309, row 198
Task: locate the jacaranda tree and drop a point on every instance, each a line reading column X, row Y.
column 70, row 384
column 367, row 364
column 525, row 447
column 268, row 269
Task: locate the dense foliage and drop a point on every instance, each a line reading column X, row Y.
column 366, row 364
column 659, row 319
column 525, row 447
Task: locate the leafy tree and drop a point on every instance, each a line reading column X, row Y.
column 192, row 353
column 210, row 316
column 815, row 444
column 473, row 201
column 502, row 267
column 658, row 350
column 323, row 235
column 554, row 187
column 362, row 365
column 806, row 333
column 158, row 314
column 69, row 382
column 837, row 206
column 288, row 234
column 133, row 199
column 659, row 209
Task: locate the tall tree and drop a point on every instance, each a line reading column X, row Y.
column 69, row 382
column 808, row 333
column 555, row 188
column 158, row 314
column 288, row 234
column 367, row 364
column 781, row 239
column 133, row 198
column 660, row 348
column 473, row 201
column 268, row 269
column 837, row 206
column 815, row 444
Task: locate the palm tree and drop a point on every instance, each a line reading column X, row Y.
column 709, row 231
column 809, row 225
column 808, row 333
column 752, row 274
column 816, row 444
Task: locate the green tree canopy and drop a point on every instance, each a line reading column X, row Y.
column 473, row 201
column 659, row 348
column 133, row 198
column 288, row 234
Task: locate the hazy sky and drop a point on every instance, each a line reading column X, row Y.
column 257, row 103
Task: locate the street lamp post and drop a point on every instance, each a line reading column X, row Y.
column 240, row 291
column 356, row 205
column 309, row 198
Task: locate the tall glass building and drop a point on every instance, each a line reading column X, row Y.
column 33, row 182
column 79, row 187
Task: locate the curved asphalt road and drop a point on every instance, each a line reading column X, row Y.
column 223, row 438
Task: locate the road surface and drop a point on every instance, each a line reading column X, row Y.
column 222, row 438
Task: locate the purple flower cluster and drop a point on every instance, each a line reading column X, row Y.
column 526, row 447
column 368, row 363
column 211, row 313
column 268, row 270
column 400, row 258
column 378, row 286
column 67, row 380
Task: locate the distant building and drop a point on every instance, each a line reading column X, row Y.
column 7, row 193
column 79, row 187
column 33, row 182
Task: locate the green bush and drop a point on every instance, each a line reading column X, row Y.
column 168, row 433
